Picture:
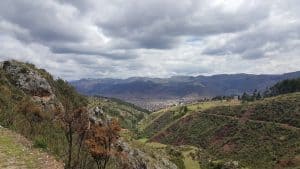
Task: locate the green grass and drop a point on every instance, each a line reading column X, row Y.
column 186, row 159
column 143, row 140
column 189, row 161
column 14, row 153
column 156, row 145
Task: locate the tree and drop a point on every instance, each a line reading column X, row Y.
column 100, row 141
column 258, row 96
column 285, row 86
column 74, row 120
column 75, row 124
column 254, row 95
column 245, row 97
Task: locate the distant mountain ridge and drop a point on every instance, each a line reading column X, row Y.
column 136, row 89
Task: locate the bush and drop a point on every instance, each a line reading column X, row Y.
column 40, row 142
column 178, row 162
column 176, row 157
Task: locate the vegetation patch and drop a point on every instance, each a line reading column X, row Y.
column 16, row 151
column 260, row 134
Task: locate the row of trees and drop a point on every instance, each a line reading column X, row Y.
column 283, row 87
column 251, row 97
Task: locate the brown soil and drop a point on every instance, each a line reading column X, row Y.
column 228, row 148
column 245, row 116
column 285, row 163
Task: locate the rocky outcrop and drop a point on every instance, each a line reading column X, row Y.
column 137, row 159
column 32, row 83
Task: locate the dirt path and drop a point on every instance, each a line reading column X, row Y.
column 16, row 152
column 244, row 119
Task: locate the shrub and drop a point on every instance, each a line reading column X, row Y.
column 40, row 142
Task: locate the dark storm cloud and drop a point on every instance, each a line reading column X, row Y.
column 114, row 55
column 117, row 38
column 160, row 24
column 138, row 24
column 41, row 20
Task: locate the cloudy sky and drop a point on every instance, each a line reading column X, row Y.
column 76, row 39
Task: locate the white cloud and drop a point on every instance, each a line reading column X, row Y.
column 99, row 38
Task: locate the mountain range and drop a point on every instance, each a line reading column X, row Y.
column 155, row 93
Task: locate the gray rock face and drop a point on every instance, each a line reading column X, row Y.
column 32, row 83
column 27, row 79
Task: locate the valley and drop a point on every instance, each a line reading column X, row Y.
column 251, row 132
column 149, row 84
column 157, row 93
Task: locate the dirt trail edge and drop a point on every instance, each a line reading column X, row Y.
column 16, row 152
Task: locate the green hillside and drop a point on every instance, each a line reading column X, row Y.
column 261, row 134
column 164, row 118
column 31, row 104
column 128, row 114
column 50, row 113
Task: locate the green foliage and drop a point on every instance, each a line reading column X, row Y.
column 40, row 142
column 181, row 112
column 164, row 120
column 283, row 87
column 176, row 157
column 248, row 97
column 160, row 120
column 127, row 114
column 178, row 162
column 216, row 165
column 66, row 92
column 20, row 113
